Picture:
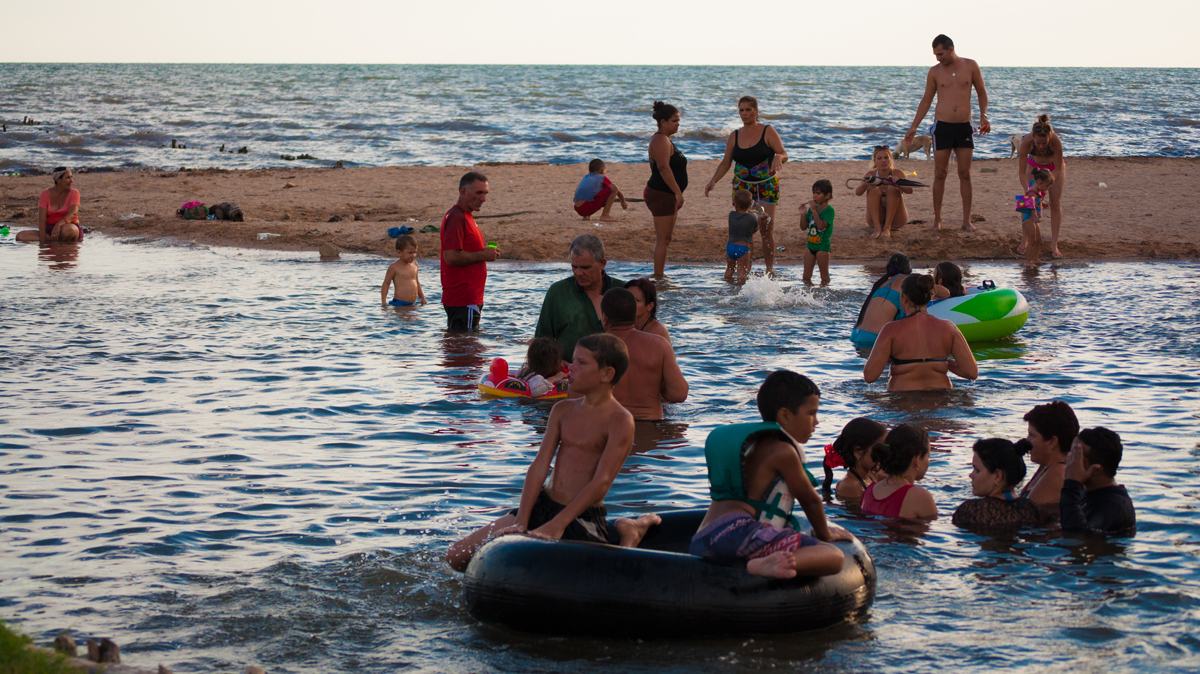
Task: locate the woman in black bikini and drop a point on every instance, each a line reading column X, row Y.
column 1042, row 148
column 668, row 180
column 919, row 349
column 1052, row 429
column 756, row 168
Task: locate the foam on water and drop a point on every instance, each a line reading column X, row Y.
column 763, row 291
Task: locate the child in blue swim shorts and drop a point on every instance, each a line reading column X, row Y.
column 742, row 225
column 402, row 275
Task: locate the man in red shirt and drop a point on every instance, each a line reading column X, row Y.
column 464, row 256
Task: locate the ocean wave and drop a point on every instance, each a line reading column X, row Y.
column 152, row 136
column 624, row 135
column 781, row 115
column 181, row 122
column 108, row 99
column 456, row 125
column 706, row 133
column 289, row 125
column 10, row 163
column 564, row 137
column 864, row 129
column 1182, row 121
column 67, row 140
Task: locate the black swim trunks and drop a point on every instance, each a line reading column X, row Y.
column 463, row 318
column 948, row 136
column 591, row 525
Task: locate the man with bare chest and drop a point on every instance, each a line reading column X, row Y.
column 654, row 374
column 951, row 81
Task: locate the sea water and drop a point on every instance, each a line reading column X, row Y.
column 127, row 115
column 223, row 457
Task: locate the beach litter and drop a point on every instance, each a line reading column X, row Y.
column 1103, row 185
column 263, row 236
column 131, row 216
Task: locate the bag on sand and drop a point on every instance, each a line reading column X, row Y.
column 227, row 211
column 193, row 210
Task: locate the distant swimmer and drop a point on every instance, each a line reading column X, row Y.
column 668, row 180
column 951, row 81
column 757, row 155
column 58, row 212
column 597, row 193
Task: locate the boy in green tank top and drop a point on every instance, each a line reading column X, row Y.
column 818, row 216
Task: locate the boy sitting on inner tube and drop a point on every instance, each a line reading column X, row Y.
column 769, row 457
column 591, row 436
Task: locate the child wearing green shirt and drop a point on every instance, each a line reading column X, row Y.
column 818, row 215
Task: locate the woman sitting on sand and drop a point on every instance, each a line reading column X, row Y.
column 996, row 469
column 757, row 154
column 919, row 349
column 904, row 457
column 646, row 294
column 1052, row 429
column 947, row 281
column 58, row 212
column 885, row 203
column 668, row 180
column 882, row 304
column 1042, row 148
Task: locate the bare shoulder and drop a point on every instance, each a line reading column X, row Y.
column 616, row 417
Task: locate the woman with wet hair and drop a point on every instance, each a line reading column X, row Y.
column 904, row 458
column 947, row 281
column 1052, row 428
column 757, row 155
column 919, row 349
column 1042, row 149
column 852, row 450
column 58, row 212
column 882, row 304
column 646, row 295
column 997, row 467
column 668, row 180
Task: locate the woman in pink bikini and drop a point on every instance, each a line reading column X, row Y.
column 1042, row 149
column 58, row 212
column 904, row 456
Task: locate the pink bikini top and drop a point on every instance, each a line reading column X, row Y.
column 1029, row 160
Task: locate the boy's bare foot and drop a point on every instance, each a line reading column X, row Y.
column 609, row 218
column 968, row 227
column 875, row 234
column 937, row 224
column 775, row 565
column 886, row 234
column 632, row 531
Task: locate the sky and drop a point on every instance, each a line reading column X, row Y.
column 1077, row 33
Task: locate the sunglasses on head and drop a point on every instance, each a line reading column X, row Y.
column 1041, row 129
column 880, row 147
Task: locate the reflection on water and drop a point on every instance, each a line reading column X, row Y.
column 224, row 459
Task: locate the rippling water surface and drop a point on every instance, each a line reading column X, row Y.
column 223, row 457
column 374, row 115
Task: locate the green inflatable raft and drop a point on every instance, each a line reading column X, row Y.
column 986, row 313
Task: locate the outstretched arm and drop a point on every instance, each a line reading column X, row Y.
column 923, row 107
column 723, row 167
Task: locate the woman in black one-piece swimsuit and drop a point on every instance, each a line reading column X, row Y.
column 668, row 180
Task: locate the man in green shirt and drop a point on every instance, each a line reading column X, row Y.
column 571, row 309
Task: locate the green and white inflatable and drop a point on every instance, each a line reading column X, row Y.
column 986, row 313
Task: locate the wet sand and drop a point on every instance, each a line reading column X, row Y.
column 1147, row 211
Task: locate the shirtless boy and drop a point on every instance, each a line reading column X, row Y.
column 402, row 274
column 951, row 81
column 596, row 192
column 731, row 531
column 653, row 375
column 591, row 437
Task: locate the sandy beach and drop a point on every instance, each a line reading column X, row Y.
column 1146, row 211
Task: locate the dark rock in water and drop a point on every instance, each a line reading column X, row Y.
column 328, row 251
column 105, row 651
column 306, row 156
column 336, row 218
column 63, row 643
column 358, row 217
column 173, row 145
column 338, row 164
column 222, row 148
column 287, row 157
column 243, row 150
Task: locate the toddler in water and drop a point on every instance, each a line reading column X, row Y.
column 543, row 366
column 403, row 275
column 819, row 218
column 742, row 225
column 1029, row 205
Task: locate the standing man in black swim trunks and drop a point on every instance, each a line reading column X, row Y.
column 951, row 80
